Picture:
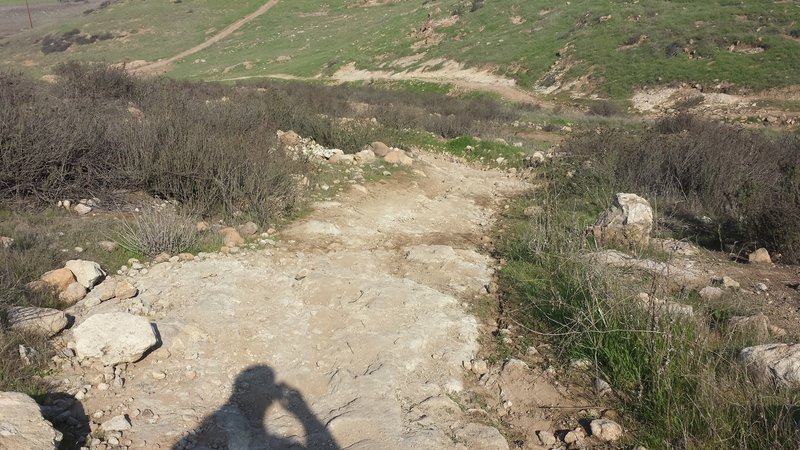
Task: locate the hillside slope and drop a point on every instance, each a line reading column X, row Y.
column 583, row 47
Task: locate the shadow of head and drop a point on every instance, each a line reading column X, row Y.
column 241, row 422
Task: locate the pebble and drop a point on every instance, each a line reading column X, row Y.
column 102, row 387
column 159, row 375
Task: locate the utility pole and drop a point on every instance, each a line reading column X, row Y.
column 28, row 7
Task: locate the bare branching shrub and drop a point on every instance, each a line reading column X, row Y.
column 747, row 182
column 446, row 116
column 605, row 108
column 159, row 230
column 99, row 130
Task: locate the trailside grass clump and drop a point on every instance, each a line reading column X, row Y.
column 676, row 379
column 746, row 182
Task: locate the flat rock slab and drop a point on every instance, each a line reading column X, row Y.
column 113, row 338
column 22, row 426
column 348, row 332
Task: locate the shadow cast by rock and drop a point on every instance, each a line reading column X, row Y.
column 239, row 424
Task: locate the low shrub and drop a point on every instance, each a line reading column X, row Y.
column 99, row 130
column 749, row 183
column 605, row 108
column 675, row 377
column 159, row 231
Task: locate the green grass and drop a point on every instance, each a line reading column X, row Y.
column 30, row 2
column 307, row 38
column 675, row 379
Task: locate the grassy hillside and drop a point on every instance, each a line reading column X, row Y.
column 608, row 47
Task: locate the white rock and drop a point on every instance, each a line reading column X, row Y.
column 711, row 293
column 116, row 423
column 114, row 338
column 760, row 256
column 88, row 273
column 44, row 321
column 547, row 438
column 606, row 430
column 778, row 364
column 22, row 425
column 82, row 209
column 629, row 220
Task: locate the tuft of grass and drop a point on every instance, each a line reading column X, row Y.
column 159, row 231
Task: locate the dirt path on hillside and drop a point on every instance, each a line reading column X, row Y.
column 163, row 65
column 350, row 332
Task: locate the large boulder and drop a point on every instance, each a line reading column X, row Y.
column 114, row 338
column 59, row 279
column 22, row 425
column 231, row 237
column 74, row 293
column 778, row 364
column 629, row 221
column 45, row 321
column 398, row 157
column 88, row 273
column 380, row 149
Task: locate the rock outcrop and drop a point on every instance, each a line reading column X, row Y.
column 22, row 425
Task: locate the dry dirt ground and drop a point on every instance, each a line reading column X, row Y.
column 351, row 332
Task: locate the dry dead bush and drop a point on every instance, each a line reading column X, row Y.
column 748, row 182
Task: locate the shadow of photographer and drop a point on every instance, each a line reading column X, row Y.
column 239, row 424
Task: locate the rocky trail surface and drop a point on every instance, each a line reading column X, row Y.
column 350, row 332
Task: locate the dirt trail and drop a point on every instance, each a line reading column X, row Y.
column 349, row 333
column 163, row 65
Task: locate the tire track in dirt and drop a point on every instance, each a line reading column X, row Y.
column 163, row 65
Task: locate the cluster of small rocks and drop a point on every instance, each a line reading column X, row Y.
column 82, row 207
column 71, row 282
column 540, row 127
column 308, row 147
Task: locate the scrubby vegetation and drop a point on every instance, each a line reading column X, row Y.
column 744, row 183
column 204, row 149
column 675, row 377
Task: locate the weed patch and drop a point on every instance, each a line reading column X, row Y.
column 747, row 183
column 676, row 377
